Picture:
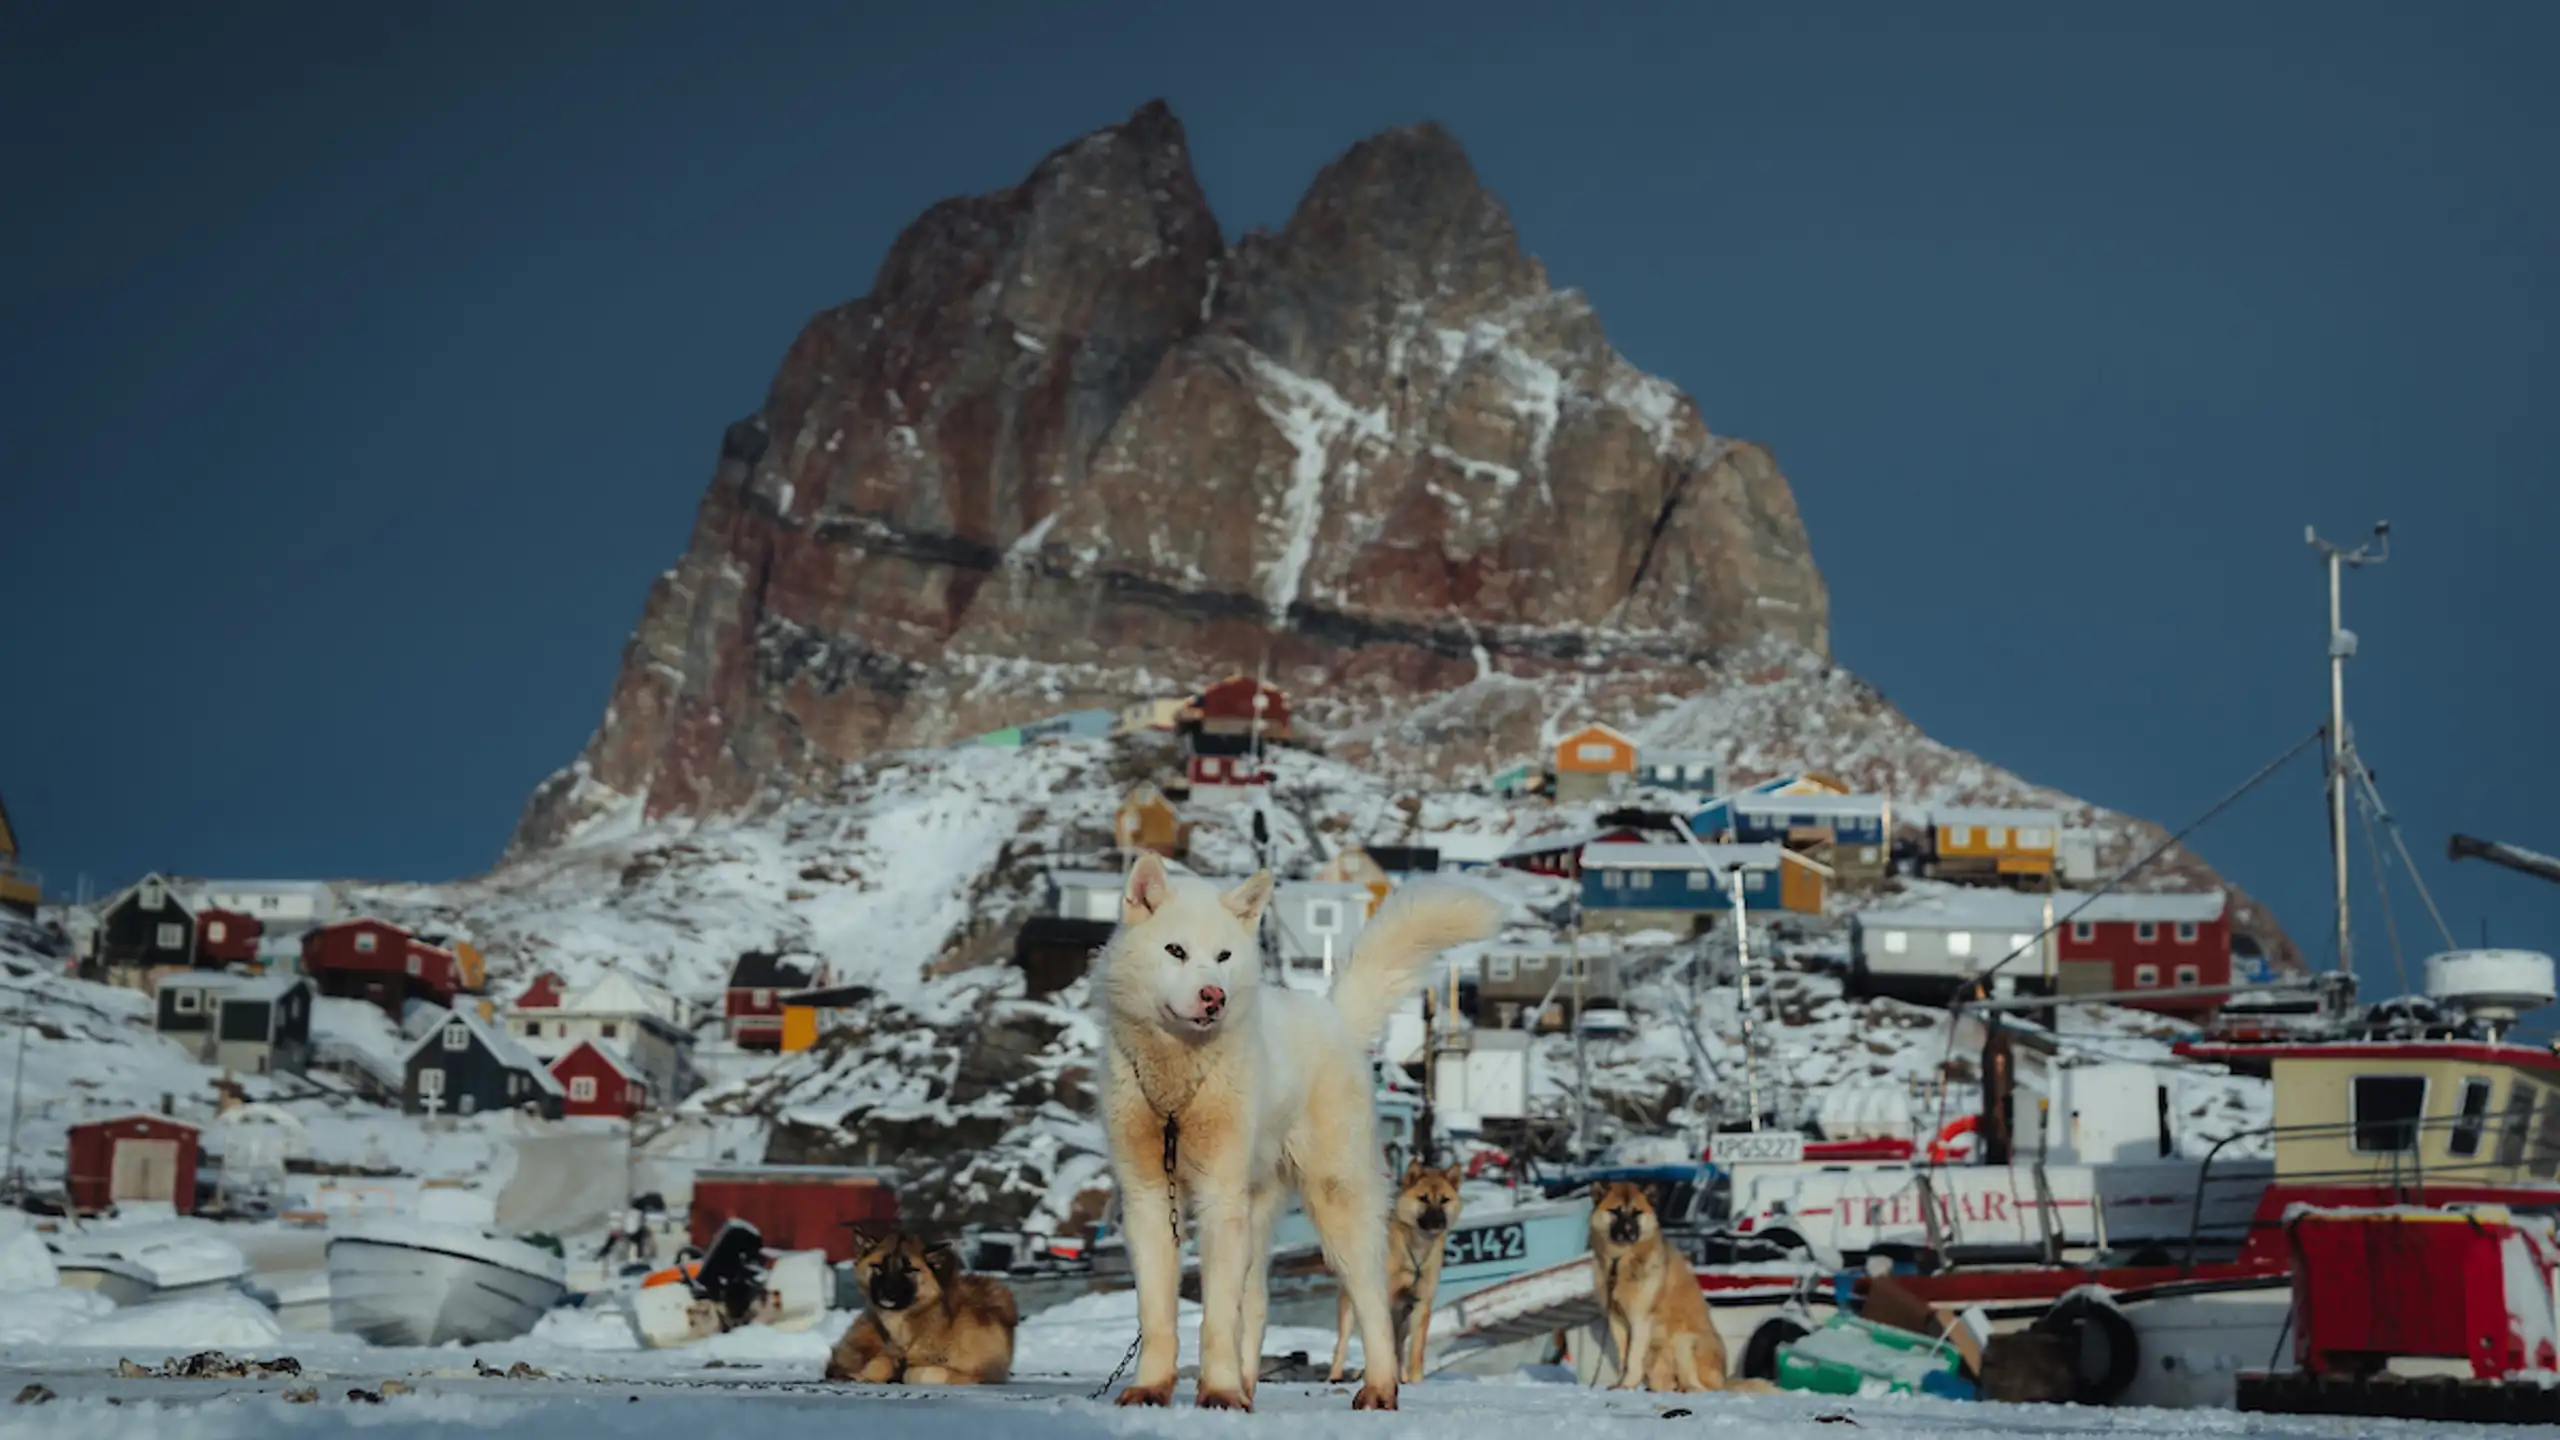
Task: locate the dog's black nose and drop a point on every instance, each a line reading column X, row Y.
column 893, row 1292
column 1434, row 1219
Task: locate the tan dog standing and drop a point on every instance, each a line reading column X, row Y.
column 1427, row 1205
column 1225, row 1096
column 926, row 1323
column 1657, row 1314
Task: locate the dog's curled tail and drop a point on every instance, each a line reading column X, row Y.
column 1415, row 924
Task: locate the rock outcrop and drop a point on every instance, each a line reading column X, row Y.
column 1073, row 449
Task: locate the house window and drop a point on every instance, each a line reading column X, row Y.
column 1595, row 752
column 2035, row 837
column 153, row 897
column 364, row 942
column 190, row 1002
column 2186, row 932
column 1611, row 879
column 528, row 1028
column 2465, row 1140
column 1537, row 963
column 2146, row 977
column 515, row 1085
column 1498, row 968
column 1959, row 942
column 470, row 1104
column 457, row 1037
column 610, row 1029
column 2019, row 943
column 1959, row 837
column 582, row 1088
column 2385, row 1111
column 1697, row 879
column 173, row 937
column 2084, row 931
column 763, row 998
column 1995, row 837
column 417, row 965
column 1641, row 880
column 1896, row 942
column 1866, row 854
column 1324, row 917
column 2146, row 931
column 214, row 930
column 2190, row 975
column 430, row 1084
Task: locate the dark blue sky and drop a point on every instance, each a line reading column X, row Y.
column 359, row 365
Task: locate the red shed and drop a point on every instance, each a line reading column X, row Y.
column 372, row 959
column 227, row 937
column 797, row 1207
column 599, row 1081
column 2149, row 942
column 133, row 1157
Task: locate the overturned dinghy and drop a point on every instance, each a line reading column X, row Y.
column 736, row 1283
column 422, row 1283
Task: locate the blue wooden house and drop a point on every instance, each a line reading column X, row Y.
column 1647, row 885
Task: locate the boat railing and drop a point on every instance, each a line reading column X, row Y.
column 2402, row 1170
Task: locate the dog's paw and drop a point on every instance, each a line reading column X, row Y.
column 1146, row 1395
column 1374, row 1396
column 1209, row 1399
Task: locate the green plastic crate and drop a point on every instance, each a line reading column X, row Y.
column 1850, row 1356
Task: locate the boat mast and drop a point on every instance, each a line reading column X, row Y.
column 2342, row 644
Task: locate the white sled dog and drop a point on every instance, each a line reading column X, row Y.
column 1227, row 1095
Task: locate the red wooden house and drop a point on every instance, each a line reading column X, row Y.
column 2148, row 942
column 753, row 1000
column 132, row 1157
column 227, row 937
column 1559, row 852
column 543, row 994
column 599, row 1081
column 1227, row 728
column 374, row 960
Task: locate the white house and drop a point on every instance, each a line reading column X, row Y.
column 649, row 1026
column 1315, row 922
column 276, row 904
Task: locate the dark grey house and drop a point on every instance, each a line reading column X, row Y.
column 250, row 1026
column 463, row 1065
column 144, row 929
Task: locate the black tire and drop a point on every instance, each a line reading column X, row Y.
column 1760, row 1357
column 2106, row 1353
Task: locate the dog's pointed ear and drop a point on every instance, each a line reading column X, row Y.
column 1245, row 901
column 1147, row 891
column 944, row 1262
column 1455, row 1174
column 860, row 1240
column 1412, row 1172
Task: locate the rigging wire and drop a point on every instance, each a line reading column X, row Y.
column 2382, row 891
column 1955, row 998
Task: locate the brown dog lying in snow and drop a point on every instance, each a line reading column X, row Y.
column 926, row 1324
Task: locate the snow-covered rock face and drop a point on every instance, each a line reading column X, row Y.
column 1072, row 449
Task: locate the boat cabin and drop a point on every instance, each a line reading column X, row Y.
column 2446, row 1117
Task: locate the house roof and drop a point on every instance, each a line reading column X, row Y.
column 611, row 1054
column 375, row 921
column 243, row 987
column 1679, row 757
column 1321, row 890
column 1994, row 816
column 152, row 1115
column 1594, row 728
column 1813, row 804
column 176, row 896
column 1086, row 879
column 766, row 970
column 497, row 1042
column 1637, row 856
column 1466, row 846
column 2011, row 910
column 1551, row 841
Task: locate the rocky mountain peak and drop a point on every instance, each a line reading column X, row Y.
column 1072, row 449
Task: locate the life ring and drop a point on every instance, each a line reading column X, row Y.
column 2106, row 1353
column 1484, row 1160
column 1944, row 1148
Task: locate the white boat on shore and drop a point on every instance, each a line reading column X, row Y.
column 425, row 1283
column 142, row 1264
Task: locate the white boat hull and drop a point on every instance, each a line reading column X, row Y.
column 419, row 1289
column 121, row 1281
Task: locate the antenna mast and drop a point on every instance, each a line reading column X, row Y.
column 2342, row 762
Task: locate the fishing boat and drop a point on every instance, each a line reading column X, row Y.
column 425, row 1283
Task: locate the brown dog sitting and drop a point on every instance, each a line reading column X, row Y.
column 1427, row 1205
column 926, row 1323
column 1657, row 1314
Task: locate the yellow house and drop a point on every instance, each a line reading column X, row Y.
column 19, row 890
column 1147, row 822
column 1966, row 840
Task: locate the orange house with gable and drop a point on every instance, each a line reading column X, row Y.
column 1593, row 763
